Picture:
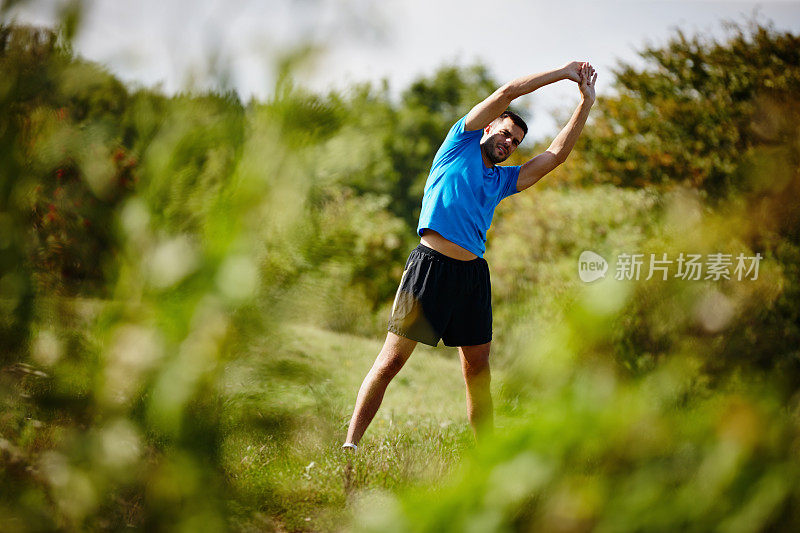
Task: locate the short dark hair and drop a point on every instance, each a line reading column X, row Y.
column 516, row 119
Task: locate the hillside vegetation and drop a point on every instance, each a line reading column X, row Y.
column 192, row 288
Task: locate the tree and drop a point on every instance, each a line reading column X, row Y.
column 690, row 115
column 720, row 117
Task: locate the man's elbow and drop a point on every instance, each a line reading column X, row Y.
column 507, row 92
column 558, row 156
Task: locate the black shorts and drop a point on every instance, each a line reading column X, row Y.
column 443, row 298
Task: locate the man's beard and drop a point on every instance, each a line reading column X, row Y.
column 489, row 151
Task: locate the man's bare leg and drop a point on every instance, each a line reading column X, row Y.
column 475, row 366
column 394, row 354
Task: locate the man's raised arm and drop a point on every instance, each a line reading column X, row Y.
column 485, row 112
column 562, row 145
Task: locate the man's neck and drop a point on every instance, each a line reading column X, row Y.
column 486, row 162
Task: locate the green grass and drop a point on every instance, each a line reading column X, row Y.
column 288, row 404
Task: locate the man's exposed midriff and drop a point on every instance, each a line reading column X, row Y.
column 432, row 239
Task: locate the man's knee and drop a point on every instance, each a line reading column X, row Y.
column 477, row 370
column 393, row 356
column 389, row 365
column 475, row 360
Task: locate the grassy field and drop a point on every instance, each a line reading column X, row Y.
column 298, row 389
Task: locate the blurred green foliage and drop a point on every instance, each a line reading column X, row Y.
column 159, row 252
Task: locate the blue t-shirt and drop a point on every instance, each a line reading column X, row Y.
column 461, row 193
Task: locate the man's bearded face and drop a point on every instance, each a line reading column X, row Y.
column 500, row 139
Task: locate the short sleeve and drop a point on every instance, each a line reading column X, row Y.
column 510, row 176
column 458, row 131
column 455, row 141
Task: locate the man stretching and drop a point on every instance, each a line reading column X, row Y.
column 445, row 291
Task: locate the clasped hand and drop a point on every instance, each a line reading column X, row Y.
column 582, row 73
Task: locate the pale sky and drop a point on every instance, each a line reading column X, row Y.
column 174, row 43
